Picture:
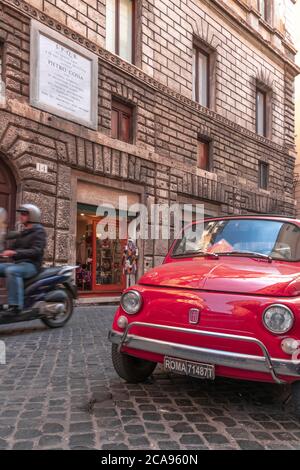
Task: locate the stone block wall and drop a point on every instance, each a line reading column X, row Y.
column 163, row 158
column 168, row 32
column 165, row 48
column 86, row 17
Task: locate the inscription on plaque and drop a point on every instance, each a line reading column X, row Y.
column 63, row 77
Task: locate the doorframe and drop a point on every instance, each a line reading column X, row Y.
column 117, row 184
column 105, row 288
column 12, row 191
column 13, row 177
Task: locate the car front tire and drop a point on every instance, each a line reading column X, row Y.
column 132, row 369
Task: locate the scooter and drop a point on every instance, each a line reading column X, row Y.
column 49, row 297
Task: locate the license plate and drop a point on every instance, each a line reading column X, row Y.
column 192, row 369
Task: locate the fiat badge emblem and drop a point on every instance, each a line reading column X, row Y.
column 194, row 315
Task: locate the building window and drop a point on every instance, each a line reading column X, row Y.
column 201, row 66
column 120, row 28
column 261, row 112
column 262, row 8
column 264, row 115
column 121, row 121
column 265, row 8
column 263, row 175
column 203, row 155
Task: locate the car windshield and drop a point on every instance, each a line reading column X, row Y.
column 272, row 238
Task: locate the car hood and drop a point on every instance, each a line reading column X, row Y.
column 236, row 275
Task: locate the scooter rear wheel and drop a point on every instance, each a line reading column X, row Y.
column 60, row 320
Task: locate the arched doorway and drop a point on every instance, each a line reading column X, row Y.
column 7, row 192
column 8, row 201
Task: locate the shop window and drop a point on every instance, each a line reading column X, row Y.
column 263, row 175
column 120, row 28
column 204, row 147
column 121, row 121
column 100, row 259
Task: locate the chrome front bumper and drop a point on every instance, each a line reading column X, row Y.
column 263, row 363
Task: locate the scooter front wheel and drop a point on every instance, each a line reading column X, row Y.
column 59, row 320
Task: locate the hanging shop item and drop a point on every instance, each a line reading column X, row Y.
column 130, row 259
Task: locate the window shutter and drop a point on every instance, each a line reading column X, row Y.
column 203, row 155
column 115, row 124
column 125, row 127
column 121, row 121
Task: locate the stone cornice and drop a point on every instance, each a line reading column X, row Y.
column 288, row 45
column 137, row 73
column 245, row 25
column 25, row 112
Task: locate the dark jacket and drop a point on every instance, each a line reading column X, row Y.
column 30, row 245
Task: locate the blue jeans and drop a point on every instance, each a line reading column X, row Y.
column 14, row 274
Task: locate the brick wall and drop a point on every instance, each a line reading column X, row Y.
column 168, row 31
column 163, row 125
column 165, row 49
column 86, row 17
column 297, row 189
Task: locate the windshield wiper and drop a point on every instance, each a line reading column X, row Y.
column 198, row 253
column 253, row 254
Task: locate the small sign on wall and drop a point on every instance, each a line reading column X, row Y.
column 42, row 168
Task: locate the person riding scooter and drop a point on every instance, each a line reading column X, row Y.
column 27, row 252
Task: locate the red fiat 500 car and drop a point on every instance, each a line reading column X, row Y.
column 226, row 302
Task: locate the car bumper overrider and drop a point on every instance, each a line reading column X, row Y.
column 275, row 367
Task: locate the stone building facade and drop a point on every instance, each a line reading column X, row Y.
column 248, row 49
column 297, row 118
column 297, row 166
column 297, row 188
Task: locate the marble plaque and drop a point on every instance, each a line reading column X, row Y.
column 64, row 77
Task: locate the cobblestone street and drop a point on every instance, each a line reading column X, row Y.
column 60, row 391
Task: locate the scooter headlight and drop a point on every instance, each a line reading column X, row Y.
column 131, row 302
column 278, row 319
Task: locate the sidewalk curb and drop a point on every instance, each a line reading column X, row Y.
column 93, row 302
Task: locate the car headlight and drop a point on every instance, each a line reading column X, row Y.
column 278, row 319
column 131, row 302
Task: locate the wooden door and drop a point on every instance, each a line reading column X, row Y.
column 8, row 201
